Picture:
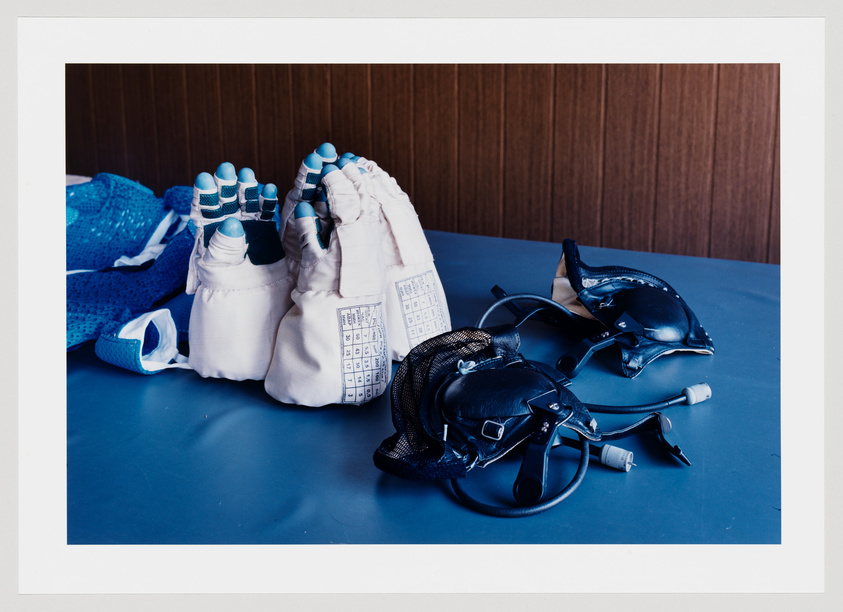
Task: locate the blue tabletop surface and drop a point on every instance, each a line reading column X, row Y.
column 177, row 459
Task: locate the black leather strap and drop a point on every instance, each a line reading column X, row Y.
column 515, row 512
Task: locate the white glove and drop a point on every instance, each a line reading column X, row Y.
column 332, row 345
column 306, row 188
column 241, row 282
column 416, row 307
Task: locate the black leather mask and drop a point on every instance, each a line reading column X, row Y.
column 613, row 305
column 643, row 315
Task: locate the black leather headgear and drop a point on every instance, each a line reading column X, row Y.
column 612, row 305
column 466, row 398
column 643, row 315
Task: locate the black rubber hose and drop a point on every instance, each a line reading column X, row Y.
column 674, row 401
column 527, row 296
column 516, row 512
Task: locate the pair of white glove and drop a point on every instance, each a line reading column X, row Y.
column 321, row 318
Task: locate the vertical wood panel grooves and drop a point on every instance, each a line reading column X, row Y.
column 504, row 149
column 552, row 174
column 455, row 218
column 501, row 153
column 658, row 103
column 714, row 117
column 186, row 110
column 773, row 161
column 255, row 122
column 604, row 103
column 92, row 115
column 551, row 145
column 412, row 135
column 123, row 130
column 289, row 74
column 155, row 125
column 369, row 111
column 455, row 198
column 328, row 70
column 156, row 165
column 219, row 88
column 709, row 192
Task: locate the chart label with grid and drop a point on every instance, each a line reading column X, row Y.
column 364, row 352
column 423, row 317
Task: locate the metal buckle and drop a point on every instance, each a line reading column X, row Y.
column 492, row 430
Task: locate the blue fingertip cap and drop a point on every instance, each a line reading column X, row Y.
column 270, row 191
column 246, row 175
column 226, row 171
column 232, row 228
column 326, row 149
column 304, row 209
column 313, row 161
column 204, row 181
column 343, row 162
column 348, row 155
column 363, row 171
column 328, row 169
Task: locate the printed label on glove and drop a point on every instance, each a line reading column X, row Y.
column 364, row 352
column 423, row 317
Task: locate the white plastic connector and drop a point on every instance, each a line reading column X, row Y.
column 696, row 393
column 617, row 458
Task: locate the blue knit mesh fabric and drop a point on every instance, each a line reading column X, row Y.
column 101, row 302
column 113, row 350
column 108, row 217
column 178, row 198
column 85, row 320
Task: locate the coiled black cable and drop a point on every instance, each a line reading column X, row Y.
column 521, row 511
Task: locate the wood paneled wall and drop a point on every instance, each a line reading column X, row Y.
column 668, row 158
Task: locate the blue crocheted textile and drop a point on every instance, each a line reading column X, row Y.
column 111, row 216
column 102, row 301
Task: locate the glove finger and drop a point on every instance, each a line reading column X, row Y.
column 328, row 153
column 308, row 228
column 205, row 209
column 226, row 179
column 307, row 179
column 228, row 244
column 343, row 195
column 268, row 202
column 206, row 203
column 247, row 194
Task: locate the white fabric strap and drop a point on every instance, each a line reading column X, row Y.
column 360, row 270
column 166, row 353
column 126, row 347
